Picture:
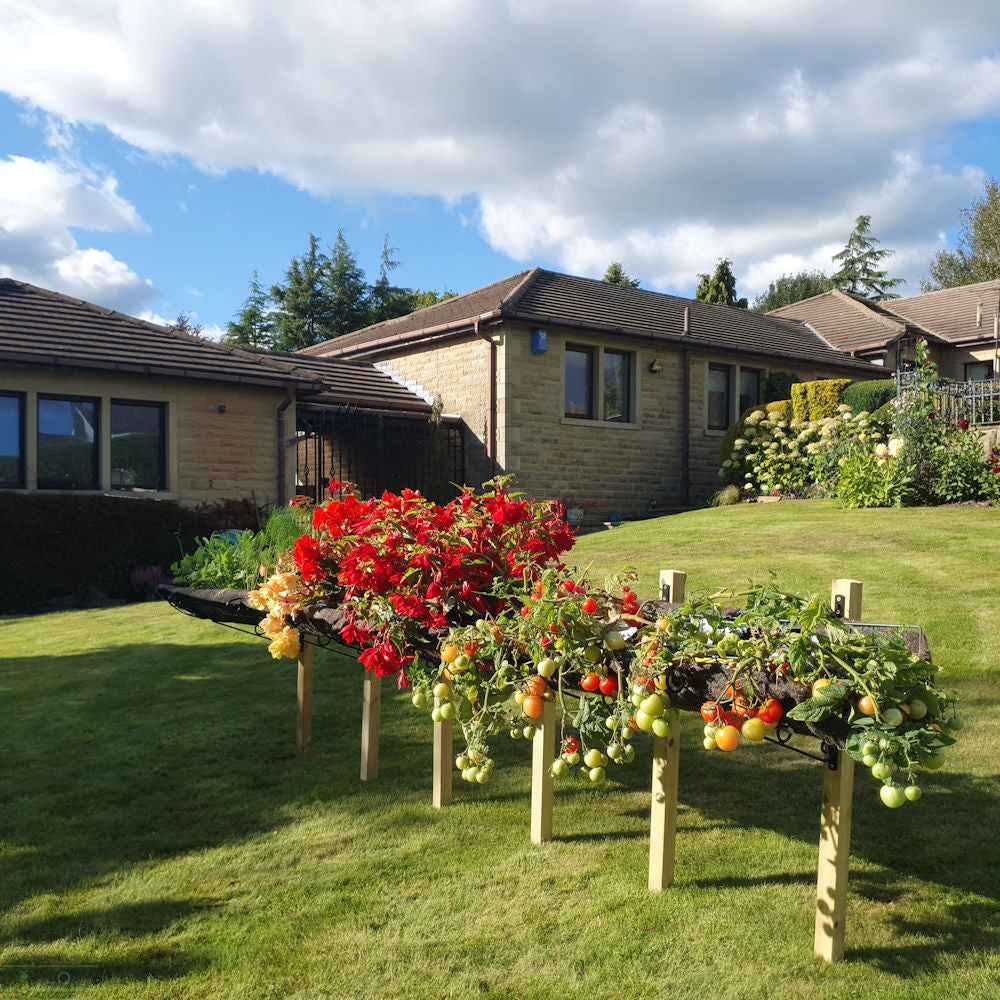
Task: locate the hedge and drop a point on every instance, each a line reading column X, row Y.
column 869, row 396
column 58, row 545
column 818, row 400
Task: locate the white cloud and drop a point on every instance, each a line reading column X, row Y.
column 662, row 135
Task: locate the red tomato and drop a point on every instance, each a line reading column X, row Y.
column 609, row 685
column 535, row 685
column 771, row 711
column 741, row 707
column 710, row 711
column 590, row 681
column 570, row 744
column 532, row 706
column 588, row 605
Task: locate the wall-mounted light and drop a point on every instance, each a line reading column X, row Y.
column 655, row 367
column 220, row 407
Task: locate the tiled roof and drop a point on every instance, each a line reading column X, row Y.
column 46, row 329
column 39, row 327
column 951, row 312
column 547, row 298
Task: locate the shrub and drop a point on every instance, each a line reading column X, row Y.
column 800, row 404
column 821, row 398
column 727, row 496
column 870, row 480
column 778, row 385
column 869, row 395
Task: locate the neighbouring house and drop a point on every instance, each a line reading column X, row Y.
column 96, row 402
column 616, row 396
column 958, row 324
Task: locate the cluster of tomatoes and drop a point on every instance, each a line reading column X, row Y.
column 735, row 719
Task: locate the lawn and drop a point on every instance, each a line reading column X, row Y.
column 156, row 826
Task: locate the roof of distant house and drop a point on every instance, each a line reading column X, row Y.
column 544, row 298
column 858, row 325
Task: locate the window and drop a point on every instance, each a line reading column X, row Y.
column 978, row 371
column 608, row 398
column 12, row 440
column 719, row 396
column 138, row 456
column 750, row 383
column 68, row 435
column 580, row 382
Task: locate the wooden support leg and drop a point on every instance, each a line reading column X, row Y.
column 443, row 752
column 303, row 727
column 663, row 809
column 835, row 820
column 543, row 752
column 673, row 583
column 370, row 714
column 834, row 859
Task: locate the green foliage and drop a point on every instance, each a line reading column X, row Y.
column 323, row 295
column 720, row 287
column 615, row 275
column 800, row 401
column 778, row 385
column 976, row 256
column 727, row 496
column 869, row 395
column 229, row 560
column 859, row 272
column 869, row 481
column 819, row 399
column 791, row 288
column 779, row 409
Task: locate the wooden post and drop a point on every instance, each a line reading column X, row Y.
column 304, row 699
column 543, row 752
column 371, row 704
column 443, row 749
column 672, row 585
column 835, row 820
column 663, row 808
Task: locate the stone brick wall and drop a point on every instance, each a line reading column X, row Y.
column 211, row 456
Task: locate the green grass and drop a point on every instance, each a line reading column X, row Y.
column 155, row 823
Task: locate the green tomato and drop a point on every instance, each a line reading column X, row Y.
column 881, row 770
column 710, row 730
column 615, row 751
column 933, row 763
column 596, row 774
column 912, row 792
column 709, row 743
column 660, row 727
column 559, row 767
column 441, row 690
column 529, row 732
column 462, row 762
column 448, row 710
column 482, row 775
column 461, row 663
column 614, row 640
column 643, row 721
column 572, row 758
column 892, row 795
column 869, row 759
column 436, row 715
column 918, row 708
column 419, row 699
column 546, row 667
column 515, row 734
column 955, row 723
column 653, row 706
column 593, row 758
column 610, row 722
column 593, row 653
column 892, row 717
column 869, row 748
column 628, row 753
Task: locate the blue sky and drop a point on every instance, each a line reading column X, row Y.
column 153, row 155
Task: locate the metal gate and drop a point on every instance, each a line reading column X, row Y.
column 377, row 452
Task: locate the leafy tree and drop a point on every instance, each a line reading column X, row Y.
column 791, row 288
column 976, row 257
column 253, row 325
column 859, row 260
column 720, row 287
column 615, row 275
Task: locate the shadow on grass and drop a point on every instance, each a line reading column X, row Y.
column 128, row 924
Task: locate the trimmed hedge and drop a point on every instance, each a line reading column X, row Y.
column 818, row 400
column 53, row 545
column 869, row 396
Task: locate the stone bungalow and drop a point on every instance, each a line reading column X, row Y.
column 616, row 396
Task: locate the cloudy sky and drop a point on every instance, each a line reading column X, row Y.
column 154, row 154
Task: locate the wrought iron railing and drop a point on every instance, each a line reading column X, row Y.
column 977, row 402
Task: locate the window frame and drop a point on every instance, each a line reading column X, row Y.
column 596, row 354
column 728, row 371
column 161, row 458
column 758, row 374
column 987, row 368
column 21, row 399
column 98, row 442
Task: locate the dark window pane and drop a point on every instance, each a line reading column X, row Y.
column 67, row 444
column 617, row 401
column 978, row 371
column 749, row 388
column 137, row 446
column 718, row 396
column 12, row 440
column 580, row 382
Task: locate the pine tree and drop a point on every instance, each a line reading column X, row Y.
column 615, row 275
column 253, row 325
column 720, row 287
column 304, row 313
column 859, row 262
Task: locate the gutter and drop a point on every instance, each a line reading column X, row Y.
column 491, row 413
column 282, row 459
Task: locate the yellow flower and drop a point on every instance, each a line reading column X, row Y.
column 895, row 446
column 285, row 643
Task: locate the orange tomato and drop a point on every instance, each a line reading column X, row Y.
column 727, row 738
column 866, row 706
column 532, row 706
column 449, row 653
column 535, row 685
